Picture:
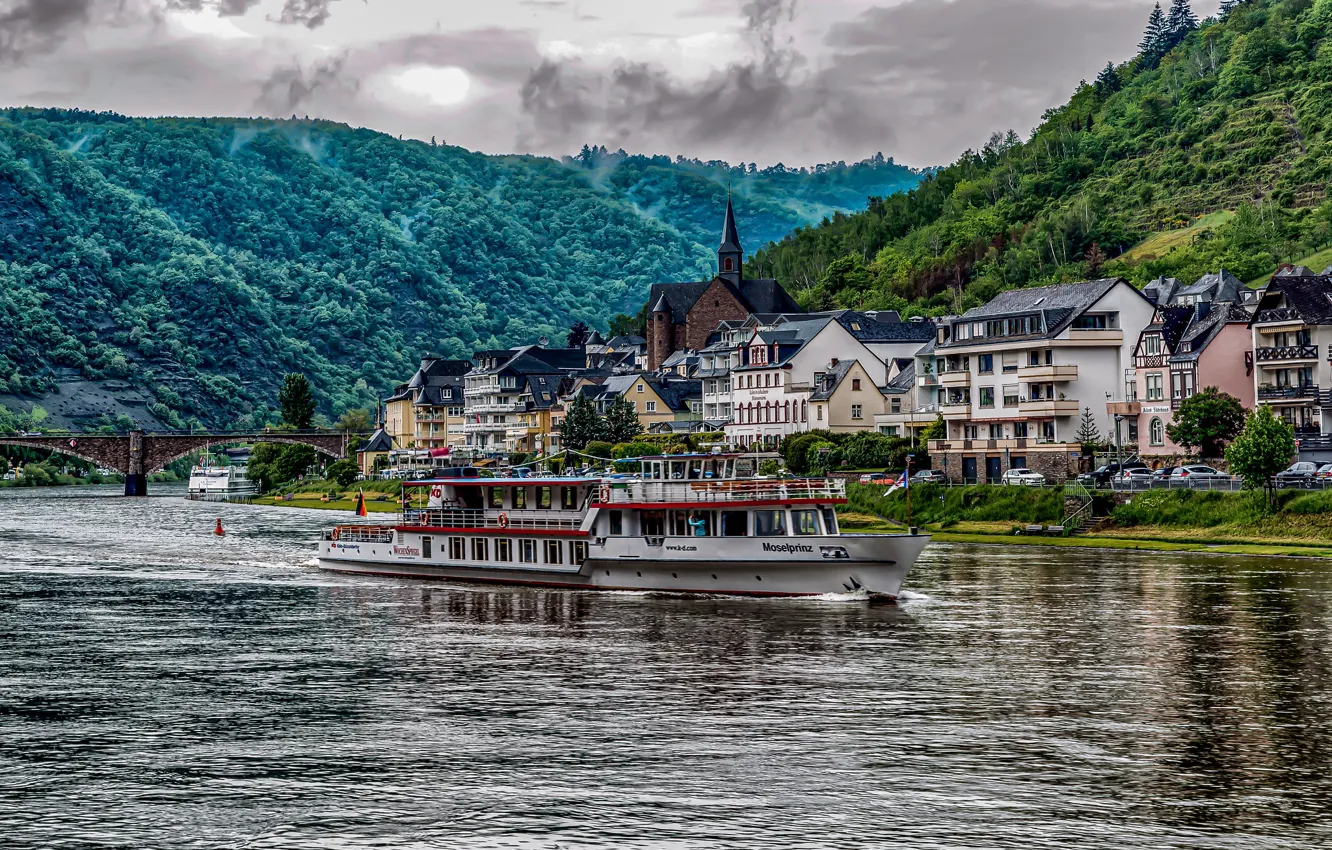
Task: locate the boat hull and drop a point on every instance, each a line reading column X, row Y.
column 876, row 564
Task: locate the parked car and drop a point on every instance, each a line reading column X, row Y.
column 1324, row 472
column 1197, row 472
column 1104, row 474
column 928, row 476
column 1142, row 475
column 874, row 478
column 1302, row 474
column 1023, row 477
column 1164, row 473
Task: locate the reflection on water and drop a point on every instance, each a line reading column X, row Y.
column 160, row 687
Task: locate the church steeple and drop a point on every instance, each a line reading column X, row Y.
column 730, row 255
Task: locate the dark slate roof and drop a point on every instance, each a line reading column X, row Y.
column 762, row 295
column 1161, row 290
column 832, row 379
column 1174, row 322
column 1057, row 304
column 885, row 327
column 1310, row 296
column 1218, row 286
column 1294, row 271
column 379, row 441
column 904, row 380
column 1203, row 330
column 625, row 341
column 677, row 394
column 730, row 236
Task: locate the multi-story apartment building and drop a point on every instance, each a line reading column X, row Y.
column 1292, row 349
column 427, row 411
column 1192, row 342
column 1015, row 375
column 494, row 393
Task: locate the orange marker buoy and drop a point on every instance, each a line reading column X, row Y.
column 218, row 529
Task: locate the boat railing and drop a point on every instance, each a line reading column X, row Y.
column 361, row 534
column 743, row 490
column 517, row 519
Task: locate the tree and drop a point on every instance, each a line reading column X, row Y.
column 342, row 472
column 1107, row 82
column 354, row 421
column 1156, row 39
column 1227, row 6
column 1095, row 260
column 621, row 425
column 622, row 324
column 581, row 425
column 293, row 461
column 296, row 401
column 578, row 334
column 1261, row 450
column 1206, row 421
column 1088, row 432
column 1180, row 22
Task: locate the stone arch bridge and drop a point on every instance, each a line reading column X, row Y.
column 139, row 453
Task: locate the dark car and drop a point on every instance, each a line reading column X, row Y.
column 1164, row 473
column 1302, row 474
column 1103, row 475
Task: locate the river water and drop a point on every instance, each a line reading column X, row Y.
column 163, row 688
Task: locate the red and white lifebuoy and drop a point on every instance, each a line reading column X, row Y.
column 337, row 532
column 503, row 520
column 604, row 495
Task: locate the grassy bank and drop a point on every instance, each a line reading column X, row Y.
column 1299, row 523
column 380, row 496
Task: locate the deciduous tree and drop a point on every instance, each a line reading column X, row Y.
column 1261, row 450
column 1206, row 421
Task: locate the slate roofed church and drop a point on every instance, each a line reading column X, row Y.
column 683, row 315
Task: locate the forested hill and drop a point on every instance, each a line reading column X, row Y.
column 192, row 262
column 1212, row 147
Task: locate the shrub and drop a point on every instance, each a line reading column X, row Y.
column 342, row 472
column 599, row 448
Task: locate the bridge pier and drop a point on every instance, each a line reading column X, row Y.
column 136, row 480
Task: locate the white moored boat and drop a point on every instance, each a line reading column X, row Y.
column 687, row 524
column 212, row 483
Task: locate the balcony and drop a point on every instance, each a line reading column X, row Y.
column 955, row 411
column 1023, row 443
column 1049, row 407
column 1048, row 373
column 1278, row 315
column 1149, row 361
column 1303, row 392
column 1286, row 353
column 485, row 427
column 1123, row 408
column 508, row 407
column 955, row 379
column 927, row 381
column 1103, row 335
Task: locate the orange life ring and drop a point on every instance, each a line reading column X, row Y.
column 605, row 494
column 503, row 520
column 337, row 532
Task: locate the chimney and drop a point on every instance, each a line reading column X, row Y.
column 833, row 363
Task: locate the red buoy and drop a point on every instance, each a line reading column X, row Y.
column 218, row 529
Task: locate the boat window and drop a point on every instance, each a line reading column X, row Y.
column 735, row 524
column 554, row 552
column 680, row 524
column 700, row 524
column 654, row 523
column 577, row 551
column 543, row 497
column 503, row 550
column 830, row 520
column 695, row 471
column 569, row 498
column 769, row 523
column 497, row 497
column 805, row 523
column 426, row 547
column 456, row 549
column 677, row 470
column 519, row 497
column 479, row 547
column 616, row 523
column 470, row 497
column 527, row 551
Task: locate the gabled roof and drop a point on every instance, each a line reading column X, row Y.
column 1204, row 329
column 904, row 380
column 379, row 441
column 1161, row 290
column 1217, row 286
column 1311, row 297
column 1174, row 322
column 885, row 327
column 762, row 295
column 1057, row 306
column 832, row 379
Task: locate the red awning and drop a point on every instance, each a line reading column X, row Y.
column 439, row 452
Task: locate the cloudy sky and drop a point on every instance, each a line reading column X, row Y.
column 797, row 81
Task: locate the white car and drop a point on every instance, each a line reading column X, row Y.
column 1024, row 477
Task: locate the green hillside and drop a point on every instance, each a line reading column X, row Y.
column 1229, row 115
column 184, row 265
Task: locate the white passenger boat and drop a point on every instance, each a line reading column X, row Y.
column 686, row 524
column 212, row 483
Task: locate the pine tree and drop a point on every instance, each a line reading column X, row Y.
column 1155, row 40
column 1107, row 82
column 1088, row 434
column 578, row 335
column 296, row 400
column 1226, row 7
column 581, row 425
column 622, row 424
column 1180, row 22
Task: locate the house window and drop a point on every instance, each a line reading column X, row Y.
column 1151, row 345
column 1020, row 430
column 1156, row 431
column 985, row 362
column 639, row 388
column 651, row 406
column 856, row 410
column 1133, row 430
column 503, row 550
column 897, row 405
column 969, row 432
column 818, row 412
column 728, row 264
column 996, row 432
column 987, row 396
column 1155, row 392
column 888, row 430
column 480, row 545
column 1011, row 396
column 855, row 384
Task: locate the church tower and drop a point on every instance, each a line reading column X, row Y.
column 730, row 255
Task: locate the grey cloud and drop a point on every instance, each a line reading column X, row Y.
column 36, row 24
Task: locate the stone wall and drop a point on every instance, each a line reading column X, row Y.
column 1055, row 466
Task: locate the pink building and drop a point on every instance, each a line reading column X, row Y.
column 1183, row 350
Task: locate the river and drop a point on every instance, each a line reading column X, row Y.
column 164, row 688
